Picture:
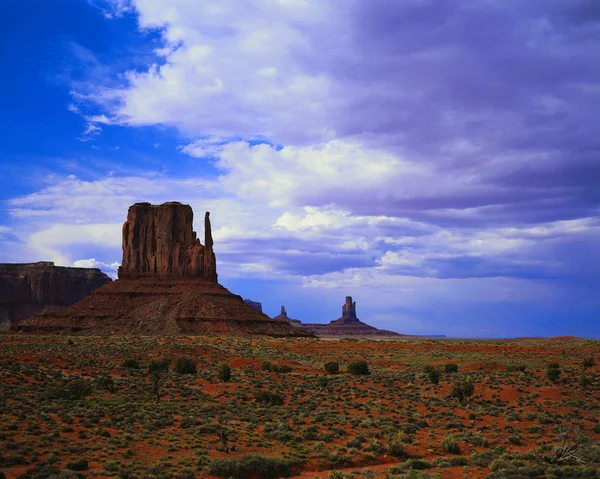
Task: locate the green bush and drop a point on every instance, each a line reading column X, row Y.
column 332, row 367
column 450, row 368
column 553, row 374
column 462, row 390
column 131, row 364
column 185, row 366
column 106, row 383
column 553, row 366
column 159, row 365
column 516, row 367
column 450, row 444
column 359, row 368
column 224, row 372
column 80, row 465
column 322, row 382
column 588, row 363
column 250, row 466
column 284, row 368
column 267, row 366
column 267, row 398
column 433, row 376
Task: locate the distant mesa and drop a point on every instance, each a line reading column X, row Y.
column 167, row 285
column 28, row 289
column 254, row 304
column 346, row 326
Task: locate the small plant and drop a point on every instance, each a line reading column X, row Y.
column 185, row 366
column 450, row 368
column 450, row 444
column 107, row 383
column 156, row 381
column 335, row 475
column 585, row 380
column 433, row 376
column 516, row 367
column 553, row 373
column 322, row 382
column 80, row 465
column 588, row 363
column 284, row 369
column 267, row 398
column 462, row 390
column 159, row 365
column 131, row 364
column 359, row 368
column 250, row 466
column 332, row 367
column 267, row 366
column 396, row 445
column 224, row 372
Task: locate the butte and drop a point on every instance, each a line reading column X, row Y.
column 167, row 285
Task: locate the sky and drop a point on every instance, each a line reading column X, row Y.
column 438, row 161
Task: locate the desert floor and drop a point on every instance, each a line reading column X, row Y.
column 70, row 405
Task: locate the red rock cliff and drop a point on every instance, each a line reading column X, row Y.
column 159, row 241
column 31, row 288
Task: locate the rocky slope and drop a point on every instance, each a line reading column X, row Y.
column 29, row 289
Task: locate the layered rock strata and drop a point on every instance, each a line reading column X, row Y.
column 29, row 289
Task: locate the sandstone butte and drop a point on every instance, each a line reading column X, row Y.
column 347, row 325
column 167, row 285
column 28, row 289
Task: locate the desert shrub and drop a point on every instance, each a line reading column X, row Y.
column 131, row 364
column 450, row 444
column 322, row 382
column 482, row 458
column 553, row 366
column 459, row 461
column 585, row 380
column 335, row 475
column 185, row 366
column 461, row 390
column 159, row 365
column 332, row 367
column 224, row 372
column 553, row 374
column 284, row 368
column 250, row 466
column 516, row 367
column 267, row 366
column 433, row 376
column 268, row 398
column 187, row 422
column 450, row 368
column 359, row 368
column 428, row 368
column 280, row 432
column 596, row 428
column 80, row 465
column 106, row 383
column 588, row 363
column 417, row 464
column 396, row 445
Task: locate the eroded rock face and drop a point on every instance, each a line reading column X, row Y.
column 254, row 304
column 159, row 241
column 28, row 289
column 349, row 310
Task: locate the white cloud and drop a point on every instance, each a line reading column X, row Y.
column 92, row 263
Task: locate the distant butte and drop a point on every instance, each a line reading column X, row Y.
column 348, row 325
column 167, row 285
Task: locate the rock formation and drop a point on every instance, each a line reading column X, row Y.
column 158, row 241
column 167, row 285
column 254, row 304
column 294, row 322
column 347, row 325
column 33, row 288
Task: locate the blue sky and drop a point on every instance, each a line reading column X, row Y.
column 438, row 161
